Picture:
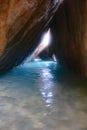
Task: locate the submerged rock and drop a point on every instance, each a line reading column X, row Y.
column 69, row 30
column 21, row 24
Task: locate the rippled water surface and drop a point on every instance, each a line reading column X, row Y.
column 42, row 96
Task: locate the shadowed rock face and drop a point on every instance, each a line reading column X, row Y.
column 69, row 30
column 21, row 25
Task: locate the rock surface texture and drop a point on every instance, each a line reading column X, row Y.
column 69, row 29
column 21, row 24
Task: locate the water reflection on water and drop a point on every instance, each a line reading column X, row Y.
column 47, row 86
column 42, row 96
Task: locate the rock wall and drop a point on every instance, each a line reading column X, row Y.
column 21, row 24
column 69, row 29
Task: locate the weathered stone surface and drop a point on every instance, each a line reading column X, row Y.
column 69, row 29
column 21, row 24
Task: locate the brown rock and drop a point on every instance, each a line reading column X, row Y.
column 69, row 29
column 21, row 24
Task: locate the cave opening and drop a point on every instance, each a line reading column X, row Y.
column 42, row 51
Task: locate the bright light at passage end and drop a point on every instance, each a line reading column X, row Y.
column 46, row 39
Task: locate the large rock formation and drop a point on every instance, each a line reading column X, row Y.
column 21, row 24
column 69, row 29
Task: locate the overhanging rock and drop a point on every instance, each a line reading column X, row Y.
column 21, row 25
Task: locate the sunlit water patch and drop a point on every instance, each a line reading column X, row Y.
column 42, row 96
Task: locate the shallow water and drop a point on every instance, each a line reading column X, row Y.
column 42, row 96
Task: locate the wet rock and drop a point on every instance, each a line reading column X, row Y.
column 21, row 24
column 69, row 30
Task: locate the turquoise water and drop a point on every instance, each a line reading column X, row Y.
column 42, row 96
